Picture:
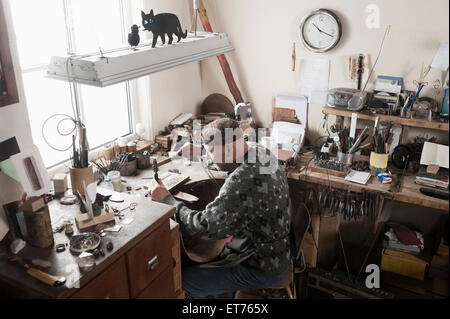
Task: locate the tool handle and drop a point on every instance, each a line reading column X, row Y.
column 53, row 281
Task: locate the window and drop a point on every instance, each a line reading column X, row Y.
column 54, row 27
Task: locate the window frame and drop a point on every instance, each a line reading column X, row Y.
column 76, row 95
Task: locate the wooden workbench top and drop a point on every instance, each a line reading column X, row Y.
column 147, row 217
column 409, row 192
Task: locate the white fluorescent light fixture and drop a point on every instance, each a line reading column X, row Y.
column 111, row 67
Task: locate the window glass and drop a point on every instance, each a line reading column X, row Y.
column 105, row 113
column 40, row 30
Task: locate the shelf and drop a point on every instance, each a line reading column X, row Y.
column 434, row 125
column 125, row 64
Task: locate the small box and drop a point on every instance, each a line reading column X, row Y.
column 164, row 141
column 60, row 183
column 85, row 223
column 405, row 264
column 34, row 204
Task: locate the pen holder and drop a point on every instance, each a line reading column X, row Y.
column 378, row 162
column 79, row 177
column 129, row 169
column 344, row 158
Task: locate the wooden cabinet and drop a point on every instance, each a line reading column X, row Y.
column 144, row 261
column 161, row 287
column 149, row 259
column 111, row 284
column 176, row 256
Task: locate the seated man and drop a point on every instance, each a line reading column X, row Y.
column 252, row 207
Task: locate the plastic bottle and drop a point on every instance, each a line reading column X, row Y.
column 108, row 184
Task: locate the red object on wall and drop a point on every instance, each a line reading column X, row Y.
column 222, row 59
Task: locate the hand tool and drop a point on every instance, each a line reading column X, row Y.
column 430, row 185
column 155, row 169
column 53, row 281
column 434, row 193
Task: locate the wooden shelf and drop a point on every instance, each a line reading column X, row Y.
column 394, row 119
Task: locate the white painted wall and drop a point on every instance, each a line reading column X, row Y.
column 173, row 91
column 263, row 31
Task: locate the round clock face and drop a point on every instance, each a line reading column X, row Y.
column 321, row 30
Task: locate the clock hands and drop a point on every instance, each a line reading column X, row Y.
column 322, row 31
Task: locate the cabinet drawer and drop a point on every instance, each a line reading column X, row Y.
column 149, row 258
column 111, row 284
column 161, row 287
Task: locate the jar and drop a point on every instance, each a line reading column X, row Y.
column 114, row 176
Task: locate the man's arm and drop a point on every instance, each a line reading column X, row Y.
column 222, row 218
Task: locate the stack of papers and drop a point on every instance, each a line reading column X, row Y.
column 358, row 177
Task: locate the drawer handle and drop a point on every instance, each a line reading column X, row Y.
column 153, row 263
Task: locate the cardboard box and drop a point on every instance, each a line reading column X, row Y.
column 405, row 264
column 60, row 184
column 34, row 204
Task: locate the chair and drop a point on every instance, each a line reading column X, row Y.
column 300, row 220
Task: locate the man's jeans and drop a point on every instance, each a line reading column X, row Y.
column 202, row 283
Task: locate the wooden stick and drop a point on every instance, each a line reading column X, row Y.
column 380, row 210
column 294, row 58
column 222, row 59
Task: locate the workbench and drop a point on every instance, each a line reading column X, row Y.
column 409, row 192
column 122, row 273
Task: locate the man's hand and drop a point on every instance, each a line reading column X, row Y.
column 159, row 193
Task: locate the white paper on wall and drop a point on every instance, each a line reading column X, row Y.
column 440, row 60
column 32, row 172
column 314, row 77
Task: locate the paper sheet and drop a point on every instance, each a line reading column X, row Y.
column 10, row 191
column 358, row 177
column 441, row 58
column 294, row 101
column 434, row 154
column 314, row 77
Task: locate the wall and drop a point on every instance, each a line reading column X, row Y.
column 173, row 91
column 263, row 31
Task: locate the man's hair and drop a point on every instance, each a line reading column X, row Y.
column 222, row 131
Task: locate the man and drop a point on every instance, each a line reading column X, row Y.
column 252, row 207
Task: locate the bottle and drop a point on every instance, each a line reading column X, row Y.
column 108, row 184
column 114, row 176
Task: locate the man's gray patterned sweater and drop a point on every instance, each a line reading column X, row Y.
column 253, row 203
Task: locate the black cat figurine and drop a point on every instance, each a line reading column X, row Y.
column 162, row 24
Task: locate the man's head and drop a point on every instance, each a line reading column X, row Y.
column 224, row 141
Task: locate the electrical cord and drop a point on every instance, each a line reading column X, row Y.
column 66, row 118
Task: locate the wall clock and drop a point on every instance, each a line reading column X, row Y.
column 321, row 30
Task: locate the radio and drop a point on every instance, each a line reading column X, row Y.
column 350, row 99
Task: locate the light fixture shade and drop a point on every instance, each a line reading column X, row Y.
column 125, row 64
